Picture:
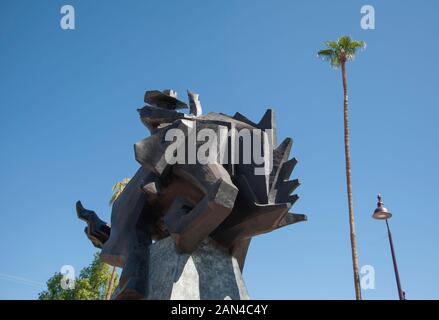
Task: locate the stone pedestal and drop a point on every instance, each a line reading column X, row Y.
column 208, row 273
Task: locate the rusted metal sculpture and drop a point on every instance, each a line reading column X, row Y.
column 227, row 199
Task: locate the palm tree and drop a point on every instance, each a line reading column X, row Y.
column 338, row 53
column 117, row 190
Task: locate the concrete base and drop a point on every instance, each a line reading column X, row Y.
column 208, row 273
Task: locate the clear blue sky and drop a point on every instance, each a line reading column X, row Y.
column 68, row 123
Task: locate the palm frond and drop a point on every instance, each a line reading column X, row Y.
column 344, row 42
column 331, row 44
column 342, row 50
column 326, row 54
column 358, row 45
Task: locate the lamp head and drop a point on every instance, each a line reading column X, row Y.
column 381, row 213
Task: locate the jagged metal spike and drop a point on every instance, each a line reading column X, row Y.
column 238, row 116
column 285, row 189
column 293, row 198
column 287, row 169
column 280, row 155
column 284, row 146
column 291, row 218
column 268, row 123
column 268, row 120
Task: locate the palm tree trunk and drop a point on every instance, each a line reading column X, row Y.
column 110, row 284
column 349, row 186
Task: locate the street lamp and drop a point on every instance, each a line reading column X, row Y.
column 381, row 213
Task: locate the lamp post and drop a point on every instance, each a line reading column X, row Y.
column 381, row 213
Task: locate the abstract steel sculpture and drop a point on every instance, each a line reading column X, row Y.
column 223, row 200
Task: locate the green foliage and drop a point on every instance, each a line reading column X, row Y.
column 118, row 188
column 55, row 291
column 340, row 51
column 91, row 284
